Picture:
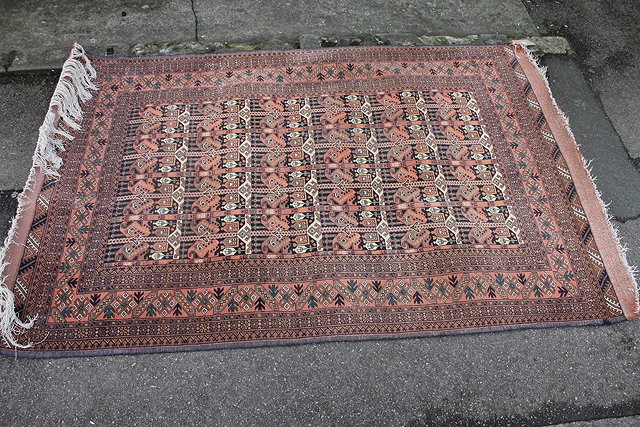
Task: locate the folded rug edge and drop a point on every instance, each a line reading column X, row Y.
column 64, row 113
column 605, row 233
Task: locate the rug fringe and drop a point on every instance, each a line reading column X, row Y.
column 63, row 116
column 73, row 87
column 622, row 248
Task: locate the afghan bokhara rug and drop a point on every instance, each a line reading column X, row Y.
column 282, row 197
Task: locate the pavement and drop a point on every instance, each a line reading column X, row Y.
column 605, row 37
column 40, row 32
column 573, row 375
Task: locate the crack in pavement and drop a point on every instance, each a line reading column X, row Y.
column 195, row 17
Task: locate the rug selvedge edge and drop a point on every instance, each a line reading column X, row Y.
column 354, row 338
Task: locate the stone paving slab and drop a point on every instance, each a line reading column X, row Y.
column 41, row 32
column 619, row 91
column 605, row 36
column 600, row 143
column 287, row 20
column 35, row 34
column 630, row 232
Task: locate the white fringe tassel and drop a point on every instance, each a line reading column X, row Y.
column 633, row 270
column 73, row 88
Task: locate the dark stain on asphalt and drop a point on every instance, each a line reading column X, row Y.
column 8, row 206
column 6, row 60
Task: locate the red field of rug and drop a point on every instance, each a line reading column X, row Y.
column 283, row 197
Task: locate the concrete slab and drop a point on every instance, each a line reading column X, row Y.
column 287, row 20
column 524, row 377
column 36, row 34
column 41, row 32
column 605, row 37
column 616, row 175
column 619, row 92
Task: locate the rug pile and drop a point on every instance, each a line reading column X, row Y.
column 281, row 197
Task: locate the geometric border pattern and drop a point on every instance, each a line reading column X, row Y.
column 558, row 278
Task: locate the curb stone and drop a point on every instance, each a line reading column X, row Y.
column 539, row 45
column 547, row 44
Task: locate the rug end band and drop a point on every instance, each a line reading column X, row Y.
column 626, row 288
column 63, row 117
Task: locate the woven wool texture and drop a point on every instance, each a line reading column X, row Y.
column 280, row 197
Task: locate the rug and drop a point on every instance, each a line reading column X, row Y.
column 194, row 202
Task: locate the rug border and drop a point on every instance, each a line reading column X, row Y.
column 302, row 341
column 613, row 257
column 604, row 234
